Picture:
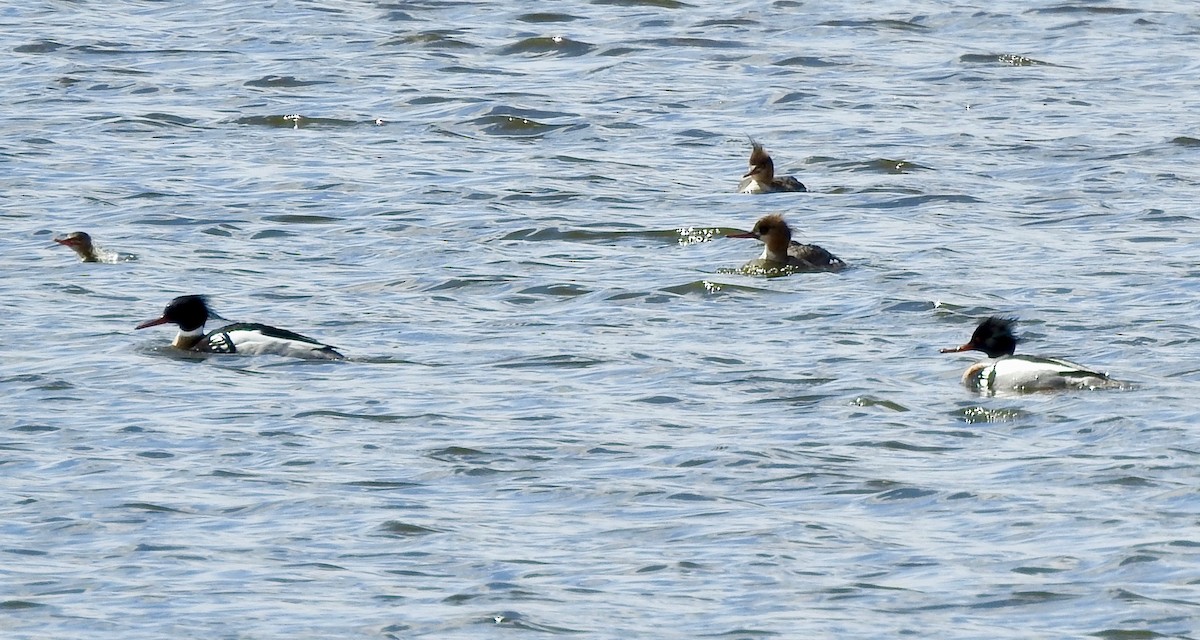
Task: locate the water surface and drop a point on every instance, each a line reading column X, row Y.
column 562, row 414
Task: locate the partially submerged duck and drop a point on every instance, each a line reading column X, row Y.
column 81, row 243
column 761, row 176
column 781, row 252
column 191, row 312
column 1004, row 371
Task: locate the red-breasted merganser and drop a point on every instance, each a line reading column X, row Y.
column 781, row 252
column 191, row 312
column 1003, row 371
column 761, row 176
column 82, row 244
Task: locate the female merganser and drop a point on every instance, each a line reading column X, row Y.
column 81, row 243
column 191, row 312
column 761, row 176
column 782, row 252
column 1004, row 371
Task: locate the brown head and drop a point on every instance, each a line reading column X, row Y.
column 81, row 243
column 773, row 231
column 762, row 168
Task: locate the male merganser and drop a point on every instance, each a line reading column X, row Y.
column 191, row 312
column 761, row 176
column 1004, row 371
column 81, row 243
column 782, row 252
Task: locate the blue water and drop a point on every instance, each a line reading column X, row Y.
column 564, row 413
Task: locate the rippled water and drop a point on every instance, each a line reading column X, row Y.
column 562, row 414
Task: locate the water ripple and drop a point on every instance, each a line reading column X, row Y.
column 548, row 45
column 563, row 395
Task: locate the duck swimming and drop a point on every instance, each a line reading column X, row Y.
column 780, row 251
column 191, row 312
column 81, row 243
column 761, row 176
column 1003, row 371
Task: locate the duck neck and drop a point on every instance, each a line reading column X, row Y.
column 764, row 175
column 775, row 247
column 187, row 339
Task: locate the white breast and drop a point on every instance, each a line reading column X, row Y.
column 750, row 185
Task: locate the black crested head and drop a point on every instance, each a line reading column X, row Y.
column 189, row 312
column 994, row 336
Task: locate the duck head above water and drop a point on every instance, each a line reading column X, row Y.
column 81, row 243
column 189, row 312
column 994, row 336
column 774, row 232
column 762, row 167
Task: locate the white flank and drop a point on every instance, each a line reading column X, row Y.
column 1023, row 373
column 255, row 343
